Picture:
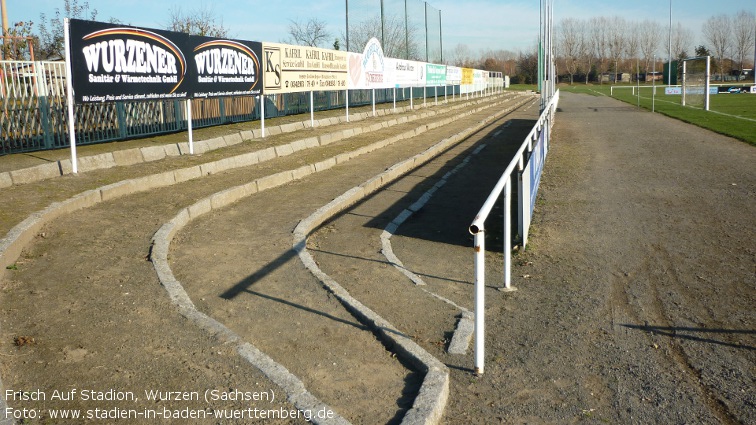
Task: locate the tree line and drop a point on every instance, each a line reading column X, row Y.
column 586, row 49
column 598, row 45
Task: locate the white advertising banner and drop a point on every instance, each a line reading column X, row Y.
column 453, row 74
column 408, row 73
column 370, row 69
column 289, row 69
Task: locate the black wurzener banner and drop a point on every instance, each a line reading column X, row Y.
column 116, row 62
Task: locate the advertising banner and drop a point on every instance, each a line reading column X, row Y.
column 528, row 181
column 479, row 78
column 115, row 62
column 453, row 74
column 289, row 69
column 407, row 73
column 370, row 69
column 435, row 75
column 111, row 63
column 467, row 76
column 225, row 67
column 672, row 90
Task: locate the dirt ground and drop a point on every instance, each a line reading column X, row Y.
column 635, row 299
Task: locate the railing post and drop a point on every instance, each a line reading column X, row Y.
column 508, row 235
column 121, row 116
column 480, row 287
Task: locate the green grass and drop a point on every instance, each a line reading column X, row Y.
column 734, row 105
column 523, row 87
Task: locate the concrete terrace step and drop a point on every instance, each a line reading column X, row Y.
column 58, row 163
column 311, row 161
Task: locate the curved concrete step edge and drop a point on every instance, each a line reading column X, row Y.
column 133, row 156
column 23, row 233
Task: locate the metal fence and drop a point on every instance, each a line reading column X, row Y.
column 33, row 100
column 407, row 29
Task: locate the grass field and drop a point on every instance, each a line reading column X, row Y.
column 733, row 115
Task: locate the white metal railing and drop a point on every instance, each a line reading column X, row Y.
column 477, row 228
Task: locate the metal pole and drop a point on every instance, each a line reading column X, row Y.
column 707, row 84
column 69, row 96
column 406, row 30
column 508, row 234
column 394, row 99
column 669, row 67
column 480, row 286
column 440, row 36
column 347, row 105
column 653, row 86
column 373, row 102
column 347, row 25
column 684, row 77
column 189, row 125
column 383, row 27
column 5, row 19
column 426, row 31
column 312, row 110
column 262, row 114
column 637, row 78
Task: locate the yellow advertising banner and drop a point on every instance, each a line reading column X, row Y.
column 288, row 69
column 468, row 76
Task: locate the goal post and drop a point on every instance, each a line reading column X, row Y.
column 696, row 73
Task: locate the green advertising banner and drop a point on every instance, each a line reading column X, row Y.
column 435, row 75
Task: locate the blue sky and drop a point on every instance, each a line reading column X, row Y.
column 479, row 24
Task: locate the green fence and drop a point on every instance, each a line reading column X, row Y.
column 34, row 117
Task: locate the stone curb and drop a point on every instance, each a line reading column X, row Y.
column 155, row 153
column 23, row 233
column 465, row 326
column 430, row 403
column 276, row 372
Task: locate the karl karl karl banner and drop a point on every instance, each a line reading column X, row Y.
column 112, row 63
column 290, row 69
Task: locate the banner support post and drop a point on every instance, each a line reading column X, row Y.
column 189, row 125
column 312, row 109
column 347, row 105
column 69, row 95
column 262, row 114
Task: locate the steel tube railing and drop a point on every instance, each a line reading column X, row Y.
column 477, row 227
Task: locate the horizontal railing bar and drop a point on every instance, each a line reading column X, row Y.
column 478, row 223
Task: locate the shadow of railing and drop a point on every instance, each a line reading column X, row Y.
column 689, row 334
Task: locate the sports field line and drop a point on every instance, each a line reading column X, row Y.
column 696, row 107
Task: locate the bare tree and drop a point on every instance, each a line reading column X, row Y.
column 571, row 44
column 200, row 21
column 744, row 31
column 599, row 37
column 617, row 29
column 681, row 39
column 508, row 59
column 51, row 40
column 16, row 42
column 399, row 40
column 632, row 42
column 312, row 33
column 650, row 38
column 460, row 56
column 718, row 32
